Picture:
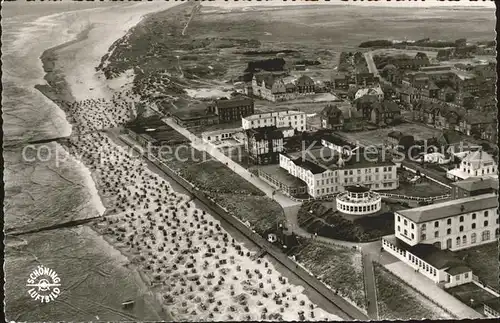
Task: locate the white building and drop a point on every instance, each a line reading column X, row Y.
column 436, row 158
column 375, row 90
column 219, row 135
column 327, row 172
column 280, row 119
column 453, row 225
column 425, row 237
column 476, row 163
column 358, row 200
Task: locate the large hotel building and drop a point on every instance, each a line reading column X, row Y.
column 325, row 171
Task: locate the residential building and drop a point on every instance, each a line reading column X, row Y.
column 476, row 163
column 365, row 105
column 332, row 118
column 475, row 123
column 279, row 87
column 385, row 113
column 233, row 109
column 447, row 94
column 375, row 91
column 264, row 144
column 340, row 81
column 305, row 85
column 269, row 86
column 327, row 172
column 280, row 119
column 365, row 79
column 473, row 186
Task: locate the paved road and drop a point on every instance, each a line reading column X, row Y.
column 370, row 287
column 371, row 64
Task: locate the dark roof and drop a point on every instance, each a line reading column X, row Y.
column 450, row 208
column 451, row 137
column 306, row 164
column 395, row 134
column 234, row 102
column 264, row 133
column 390, row 106
column 331, row 111
column 304, row 80
column 268, row 78
column 440, row 259
column 460, row 269
column 357, row 189
column 477, row 183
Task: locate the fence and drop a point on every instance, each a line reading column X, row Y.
column 416, row 198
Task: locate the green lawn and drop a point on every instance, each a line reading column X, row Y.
column 471, row 294
column 339, row 267
column 398, row 301
column 260, row 211
column 241, row 198
column 483, row 260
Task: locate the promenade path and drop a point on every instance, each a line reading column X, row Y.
column 371, row 64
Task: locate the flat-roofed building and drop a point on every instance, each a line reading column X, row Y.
column 473, row 186
column 454, row 225
column 280, row 119
column 233, row 109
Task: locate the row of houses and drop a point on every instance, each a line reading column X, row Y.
column 445, row 116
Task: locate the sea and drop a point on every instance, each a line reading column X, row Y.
column 34, row 196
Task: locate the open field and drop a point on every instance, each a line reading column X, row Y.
column 483, row 260
column 325, row 221
column 218, row 44
column 471, row 294
column 339, row 267
column 421, row 188
column 397, row 300
column 237, row 195
column 377, row 137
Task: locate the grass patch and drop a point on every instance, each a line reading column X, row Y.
column 261, row 212
column 483, row 260
column 471, row 294
column 320, row 217
column 397, row 300
column 339, row 267
column 241, row 198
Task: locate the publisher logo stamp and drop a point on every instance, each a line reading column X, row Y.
column 44, row 284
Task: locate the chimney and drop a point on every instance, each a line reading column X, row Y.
column 462, row 208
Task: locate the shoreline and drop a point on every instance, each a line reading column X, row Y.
column 59, row 92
